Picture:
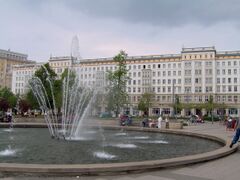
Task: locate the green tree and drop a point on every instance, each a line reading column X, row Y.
column 9, row 97
column 178, row 106
column 145, row 103
column 24, row 106
column 117, row 95
column 45, row 74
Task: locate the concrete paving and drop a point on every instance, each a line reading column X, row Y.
column 226, row 168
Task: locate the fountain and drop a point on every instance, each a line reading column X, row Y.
column 76, row 101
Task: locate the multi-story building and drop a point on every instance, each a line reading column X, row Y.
column 193, row 76
column 7, row 60
column 21, row 76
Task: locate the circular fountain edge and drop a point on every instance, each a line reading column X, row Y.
column 119, row 168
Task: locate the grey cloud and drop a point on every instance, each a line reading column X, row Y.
column 161, row 12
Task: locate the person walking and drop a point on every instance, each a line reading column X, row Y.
column 237, row 134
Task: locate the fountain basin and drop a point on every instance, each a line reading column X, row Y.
column 124, row 167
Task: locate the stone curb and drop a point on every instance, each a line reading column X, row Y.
column 121, row 168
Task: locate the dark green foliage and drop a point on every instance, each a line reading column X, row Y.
column 117, row 96
column 7, row 99
column 145, row 103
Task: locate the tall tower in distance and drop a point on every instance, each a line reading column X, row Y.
column 75, row 48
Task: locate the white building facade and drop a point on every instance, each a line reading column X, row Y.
column 193, row 76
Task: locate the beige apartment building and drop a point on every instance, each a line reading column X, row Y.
column 194, row 75
column 9, row 58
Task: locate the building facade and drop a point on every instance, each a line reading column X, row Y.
column 7, row 60
column 193, row 76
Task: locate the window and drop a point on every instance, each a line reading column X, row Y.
column 179, row 81
column 164, row 89
column 235, row 71
column 229, row 88
column 198, row 89
column 198, row 72
column 187, row 72
column 187, row 80
column 208, row 80
column 209, row 71
column 218, row 80
column 159, row 65
column 209, row 89
column 229, row 71
column 169, row 89
column 229, row 98
column 235, row 80
column 187, row 89
column 235, row 88
column 223, row 88
column 187, row 64
column 223, row 80
column 223, row 72
column 229, row 80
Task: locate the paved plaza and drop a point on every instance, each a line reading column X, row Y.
column 226, row 168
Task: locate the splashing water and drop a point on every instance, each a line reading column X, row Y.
column 76, row 103
column 8, row 152
column 156, row 142
column 140, row 137
column 104, row 155
column 130, row 146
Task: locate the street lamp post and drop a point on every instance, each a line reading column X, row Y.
column 212, row 108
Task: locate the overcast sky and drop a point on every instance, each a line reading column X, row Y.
column 140, row 27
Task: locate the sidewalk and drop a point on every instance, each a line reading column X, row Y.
column 226, row 168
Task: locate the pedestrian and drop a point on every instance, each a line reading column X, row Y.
column 160, row 122
column 145, row 122
column 237, row 134
column 167, row 123
column 229, row 123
